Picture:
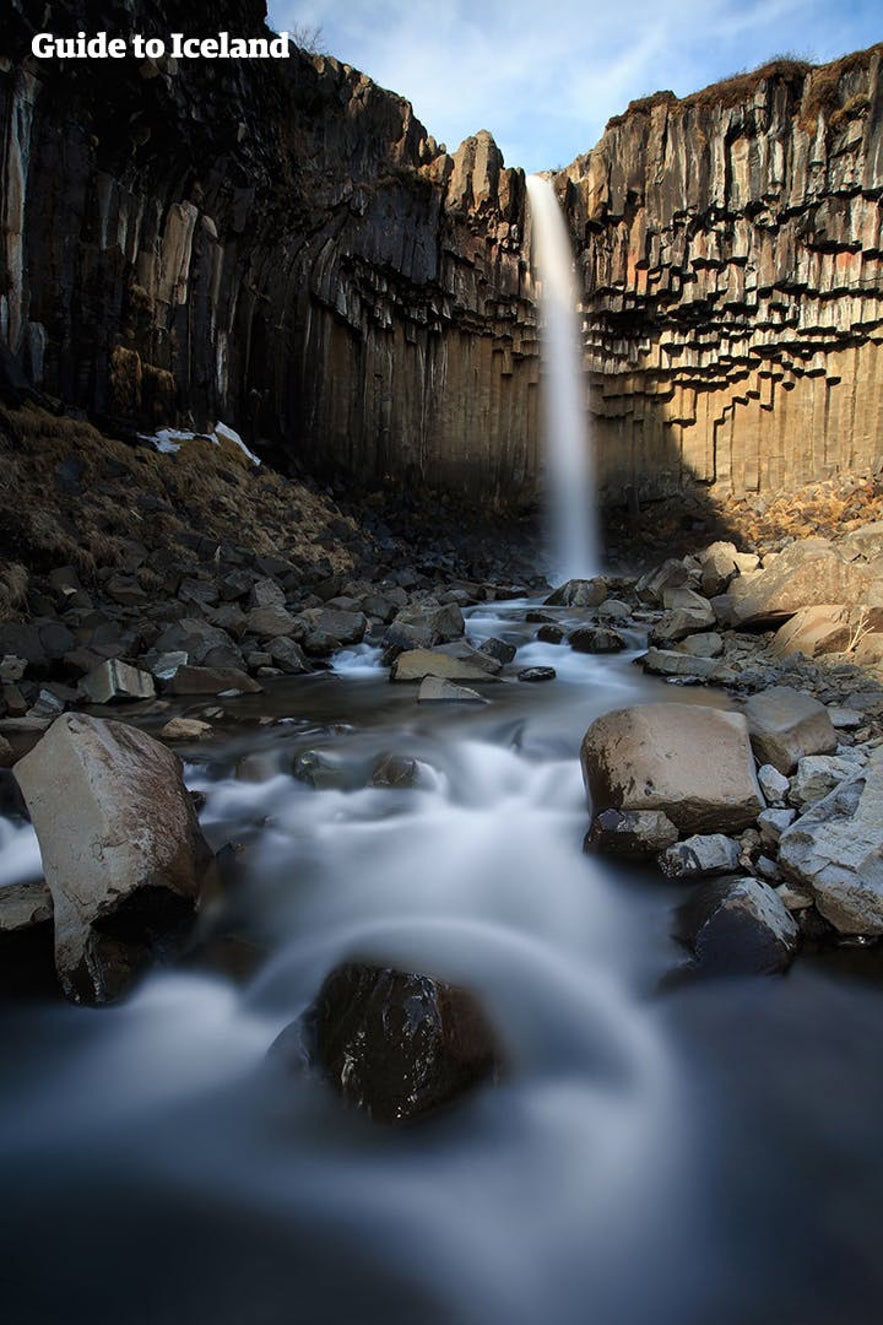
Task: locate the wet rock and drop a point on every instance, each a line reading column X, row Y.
column 185, row 729
column 785, row 725
column 739, row 927
column 391, row 770
column 322, row 770
column 437, row 689
column 835, row 852
column 115, row 681
column 613, row 609
column 464, row 652
column 499, row 649
column 27, row 965
column 212, row 681
column 537, row 674
column 692, row 762
column 550, row 634
column 415, row 664
column 122, row 851
column 595, row 639
column 630, row 832
column 702, row 854
column 7, row 755
column 398, row 1045
column 579, row 593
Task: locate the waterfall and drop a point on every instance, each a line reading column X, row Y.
column 570, row 497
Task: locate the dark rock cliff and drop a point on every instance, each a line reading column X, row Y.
column 730, row 246
column 277, row 243
column 281, row 245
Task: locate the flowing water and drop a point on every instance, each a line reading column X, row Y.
column 570, row 487
column 704, row 1154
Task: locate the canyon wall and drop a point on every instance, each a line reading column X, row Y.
column 280, row 244
column 275, row 243
column 730, row 249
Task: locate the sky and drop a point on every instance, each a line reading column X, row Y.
column 544, row 76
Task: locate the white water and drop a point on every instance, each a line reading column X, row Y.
column 572, row 524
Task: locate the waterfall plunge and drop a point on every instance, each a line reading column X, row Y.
column 570, row 499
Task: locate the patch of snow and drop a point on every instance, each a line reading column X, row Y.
column 168, row 440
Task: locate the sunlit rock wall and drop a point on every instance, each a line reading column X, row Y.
column 279, row 244
column 730, row 246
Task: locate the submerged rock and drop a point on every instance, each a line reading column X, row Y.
column 438, row 689
column 122, row 851
column 537, row 674
column 693, row 763
column 398, row 1045
column 391, row 770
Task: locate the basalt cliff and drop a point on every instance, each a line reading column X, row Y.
column 281, row 244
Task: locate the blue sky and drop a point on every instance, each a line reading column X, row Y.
column 545, row 75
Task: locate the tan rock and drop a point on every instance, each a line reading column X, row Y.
column 807, row 574
column 785, row 725
column 692, row 762
column 122, row 851
column 185, row 729
column 417, row 663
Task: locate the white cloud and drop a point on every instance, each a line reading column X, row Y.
column 545, row 75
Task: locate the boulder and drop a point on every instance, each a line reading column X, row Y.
column 537, row 674
column 263, row 593
column 669, row 575
column 7, row 754
column 687, row 613
column 499, row 649
column 630, row 832
column 465, row 652
column 670, row 662
column 816, row 630
column 322, row 630
column 692, row 762
column 718, row 567
column 711, row 853
column 185, row 729
column 115, row 681
column 198, row 640
column 740, row 927
column 271, row 621
column 437, row 689
column 414, row 664
column 579, row 593
column 808, row 573
column 772, row 824
column 595, row 639
column 786, row 724
column 707, row 644
column 425, row 625
column 835, row 852
column 817, row 776
column 391, row 770
column 395, row 1044
column 288, row 656
column 550, row 634
column 122, row 851
column 212, row 681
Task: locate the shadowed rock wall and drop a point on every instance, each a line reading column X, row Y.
column 277, row 243
column 730, row 247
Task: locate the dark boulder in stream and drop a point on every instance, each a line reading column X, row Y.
column 738, row 927
column 396, row 1044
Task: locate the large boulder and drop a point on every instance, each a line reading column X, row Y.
column 806, row 574
column 424, row 625
column 417, row 663
column 579, row 593
column 835, row 852
column 785, row 724
column 122, row 851
column 827, row 628
column 396, row 1044
column 692, row 762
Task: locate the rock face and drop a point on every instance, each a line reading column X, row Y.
column 835, row 852
column 122, row 851
column 691, row 762
column 193, row 240
column 396, row 1044
column 730, row 249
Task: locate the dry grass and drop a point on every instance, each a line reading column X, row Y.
column 69, row 495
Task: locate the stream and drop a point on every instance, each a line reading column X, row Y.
column 653, row 1155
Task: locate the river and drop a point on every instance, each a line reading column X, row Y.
column 654, row 1154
